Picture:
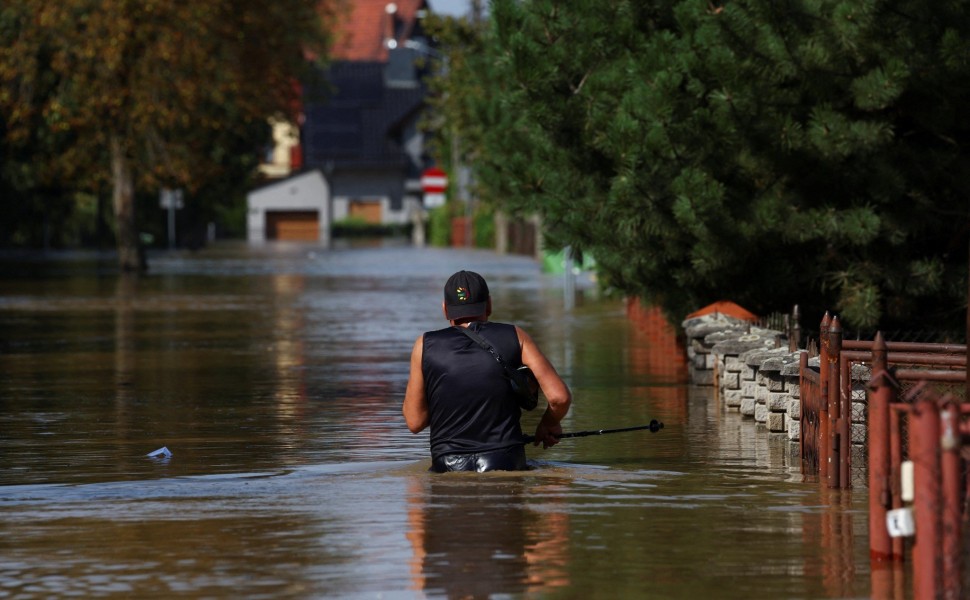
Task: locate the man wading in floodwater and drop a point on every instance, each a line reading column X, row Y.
column 459, row 388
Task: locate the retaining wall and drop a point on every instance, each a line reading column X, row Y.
column 753, row 372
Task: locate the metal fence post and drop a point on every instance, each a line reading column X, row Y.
column 894, row 482
column 834, row 393
column 880, row 395
column 952, row 511
column 825, row 373
column 924, row 443
column 803, row 398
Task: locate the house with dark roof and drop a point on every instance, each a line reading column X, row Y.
column 361, row 129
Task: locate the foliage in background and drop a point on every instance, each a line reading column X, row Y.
column 360, row 227
column 439, row 226
column 457, row 130
column 763, row 151
column 484, row 226
column 129, row 97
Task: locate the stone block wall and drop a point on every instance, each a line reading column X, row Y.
column 752, row 371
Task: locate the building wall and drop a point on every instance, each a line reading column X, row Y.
column 304, row 193
column 384, row 187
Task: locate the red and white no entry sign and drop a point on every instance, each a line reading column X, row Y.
column 434, row 181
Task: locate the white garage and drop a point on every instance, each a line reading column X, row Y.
column 293, row 209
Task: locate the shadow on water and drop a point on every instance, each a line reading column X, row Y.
column 274, row 376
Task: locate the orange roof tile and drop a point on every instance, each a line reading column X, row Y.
column 364, row 26
column 725, row 307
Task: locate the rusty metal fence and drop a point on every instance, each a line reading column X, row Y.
column 918, row 477
column 826, row 410
column 810, row 393
column 834, row 404
column 913, row 418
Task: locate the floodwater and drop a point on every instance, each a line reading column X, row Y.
column 274, row 376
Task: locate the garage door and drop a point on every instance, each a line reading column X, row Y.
column 368, row 211
column 294, row 226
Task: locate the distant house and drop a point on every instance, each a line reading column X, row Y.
column 294, row 209
column 362, row 132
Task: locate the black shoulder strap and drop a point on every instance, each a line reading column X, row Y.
column 484, row 344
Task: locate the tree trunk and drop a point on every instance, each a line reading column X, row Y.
column 130, row 257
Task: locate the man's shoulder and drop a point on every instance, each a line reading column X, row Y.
column 506, row 327
column 437, row 333
column 488, row 325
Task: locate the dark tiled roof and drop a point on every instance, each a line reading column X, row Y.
column 375, row 89
column 359, row 123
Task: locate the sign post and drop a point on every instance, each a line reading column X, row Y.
column 172, row 201
column 434, row 182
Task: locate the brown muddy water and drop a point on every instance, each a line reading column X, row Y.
column 275, row 376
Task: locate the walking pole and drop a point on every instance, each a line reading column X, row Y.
column 654, row 427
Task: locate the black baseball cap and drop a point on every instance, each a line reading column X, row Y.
column 466, row 295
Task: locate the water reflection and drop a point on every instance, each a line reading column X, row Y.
column 473, row 537
column 833, row 530
column 287, row 323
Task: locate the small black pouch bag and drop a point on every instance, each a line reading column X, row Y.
column 523, row 380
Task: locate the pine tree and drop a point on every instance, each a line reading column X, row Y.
column 770, row 152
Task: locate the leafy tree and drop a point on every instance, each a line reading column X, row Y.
column 137, row 95
column 771, row 152
column 457, row 43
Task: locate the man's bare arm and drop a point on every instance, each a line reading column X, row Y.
column 553, row 387
column 415, row 407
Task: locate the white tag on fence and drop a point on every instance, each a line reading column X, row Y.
column 906, row 481
column 899, row 522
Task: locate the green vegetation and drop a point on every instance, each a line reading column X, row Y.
column 770, row 152
column 359, row 227
column 439, row 226
column 120, row 98
column 484, row 226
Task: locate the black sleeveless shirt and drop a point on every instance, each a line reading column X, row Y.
column 471, row 405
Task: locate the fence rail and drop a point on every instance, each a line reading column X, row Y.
column 917, row 421
column 810, row 411
column 828, row 400
column 928, row 431
column 898, row 407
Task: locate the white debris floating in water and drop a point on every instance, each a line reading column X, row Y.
column 162, row 453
